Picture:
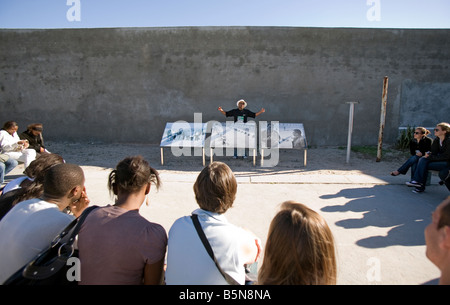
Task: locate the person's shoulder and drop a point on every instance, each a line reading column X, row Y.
column 42, row 208
column 140, row 222
column 181, row 224
column 52, row 209
column 181, row 221
column 155, row 229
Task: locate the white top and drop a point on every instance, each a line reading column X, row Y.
column 26, row 230
column 8, row 142
column 14, row 184
column 188, row 262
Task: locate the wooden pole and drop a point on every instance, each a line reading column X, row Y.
column 383, row 117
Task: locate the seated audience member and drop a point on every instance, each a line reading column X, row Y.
column 418, row 146
column 33, row 186
column 188, row 262
column 33, row 135
column 6, row 165
column 437, row 238
column 300, row 249
column 32, row 225
column 438, row 159
column 13, row 146
column 117, row 246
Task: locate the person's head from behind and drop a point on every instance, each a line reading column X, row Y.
column 215, row 188
column 37, row 171
column 437, row 238
column 131, row 175
column 42, row 163
column 299, row 250
column 64, row 183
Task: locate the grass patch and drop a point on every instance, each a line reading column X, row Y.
column 369, row 150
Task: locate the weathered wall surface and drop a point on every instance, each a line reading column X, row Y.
column 125, row 84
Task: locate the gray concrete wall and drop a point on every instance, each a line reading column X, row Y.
column 125, row 84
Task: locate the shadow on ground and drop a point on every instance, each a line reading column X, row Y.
column 388, row 206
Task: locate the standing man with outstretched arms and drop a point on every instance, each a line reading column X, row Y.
column 240, row 114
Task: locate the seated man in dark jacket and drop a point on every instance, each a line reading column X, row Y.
column 34, row 136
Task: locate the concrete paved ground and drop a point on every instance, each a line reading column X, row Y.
column 377, row 221
column 378, row 226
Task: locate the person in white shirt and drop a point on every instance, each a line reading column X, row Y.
column 188, row 262
column 13, row 146
column 31, row 225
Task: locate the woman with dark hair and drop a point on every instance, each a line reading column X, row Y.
column 300, row 249
column 33, row 184
column 188, row 262
column 117, row 246
column 13, row 146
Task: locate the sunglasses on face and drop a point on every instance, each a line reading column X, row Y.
column 437, row 129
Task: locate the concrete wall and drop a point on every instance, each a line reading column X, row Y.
column 125, row 84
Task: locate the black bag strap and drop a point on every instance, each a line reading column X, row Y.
column 77, row 222
column 208, row 248
column 34, row 270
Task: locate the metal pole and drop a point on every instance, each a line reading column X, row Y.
column 350, row 128
column 383, row 117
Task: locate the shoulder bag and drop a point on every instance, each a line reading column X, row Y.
column 50, row 266
column 208, row 248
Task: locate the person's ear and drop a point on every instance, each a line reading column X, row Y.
column 147, row 189
column 446, row 237
column 114, row 187
column 75, row 192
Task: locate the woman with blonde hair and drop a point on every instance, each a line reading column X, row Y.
column 418, row 146
column 300, row 249
column 437, row 159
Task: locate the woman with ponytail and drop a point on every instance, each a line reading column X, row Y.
column 418, row 146
column 117, row 246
